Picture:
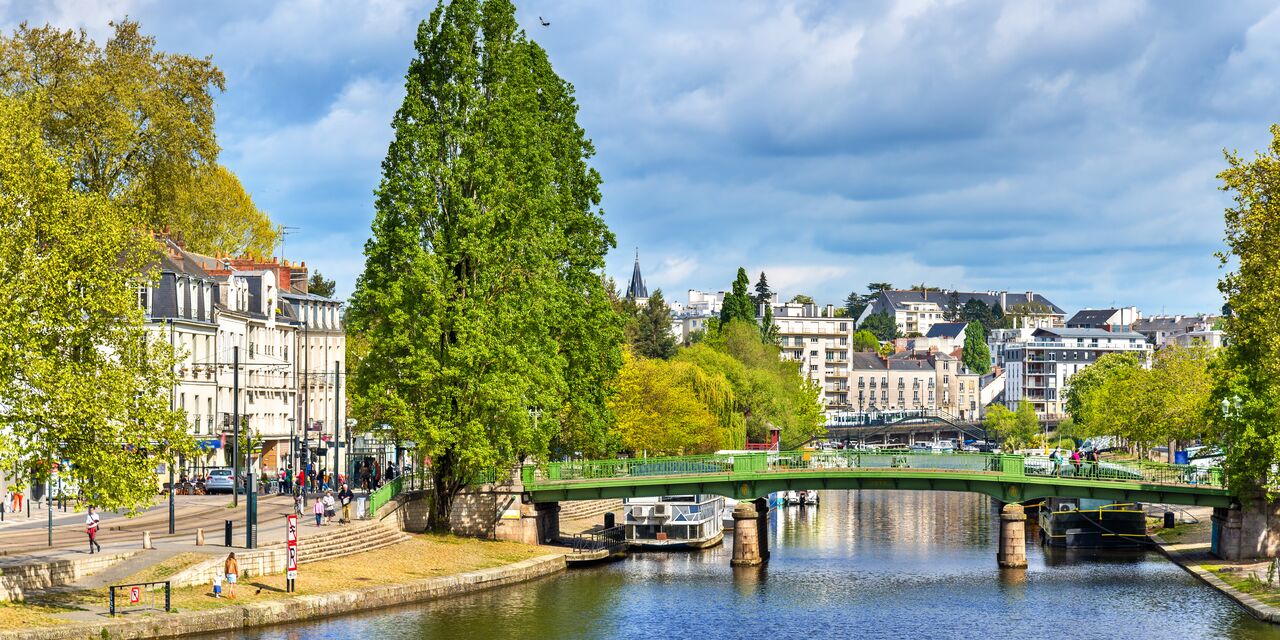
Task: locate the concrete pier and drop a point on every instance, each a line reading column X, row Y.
column 1012, row 553
column 762, row 526
column 746, row 536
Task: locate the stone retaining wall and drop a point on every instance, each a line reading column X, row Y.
column 299, row 608
column 17, row 579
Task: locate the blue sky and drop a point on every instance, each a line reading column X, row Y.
column 1068, row 148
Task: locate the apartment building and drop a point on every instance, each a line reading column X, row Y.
column 1108, row 319
column 1181, row 330
column 936, row 382
column 915, row 312
column 1038, row 369
column 822, row 347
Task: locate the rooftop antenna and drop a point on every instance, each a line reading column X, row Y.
column 285, row 231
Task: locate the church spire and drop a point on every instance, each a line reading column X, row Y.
column 636, row 289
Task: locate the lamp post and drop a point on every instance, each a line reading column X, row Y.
column 293, row 451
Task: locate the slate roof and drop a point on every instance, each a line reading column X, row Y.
column 946, row 330
column 1091, row 317
column 1087, row 333
column 899, row 299
column 636, row 288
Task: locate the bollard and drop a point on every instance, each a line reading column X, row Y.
column 228, row 534
column 199, row 537
column 1169, row 521
column 146, row 540
column 609, row 520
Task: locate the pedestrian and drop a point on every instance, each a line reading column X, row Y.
column 302, row 479
column 217, row 585
column 1076, row 460
column 1056, row 459
column 4, row 505
column 91, row 524
column 317, row 509
column 345, row 497
column 17, row 501
column 1093, row 462
column 328, row 507
column 232, row 569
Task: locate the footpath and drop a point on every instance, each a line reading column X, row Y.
column 348, row 568
column 1188, row 546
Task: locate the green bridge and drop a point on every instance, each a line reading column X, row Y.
column 745, row 476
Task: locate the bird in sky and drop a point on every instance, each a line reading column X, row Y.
column 544, row 22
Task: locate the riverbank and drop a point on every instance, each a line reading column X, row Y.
column 1187, row 545
column 423, row 568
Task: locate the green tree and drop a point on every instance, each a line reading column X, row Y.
column 801, row 298
column 954, row 310
column 881, row 325
column 763, row 294
column 1017, row 429
column 854, row 303
column 321, row 286
column 976, row 355
column 136, row 125
column 83, row 384
column 1247, row 376
column 737, row 303
column 481, row 297
column 877, row 287
column 997, row 316
column 1088, row 395
column 653, row 330
column 975, row 311
column 865, row 341
column 659, row 413
column 768, row 328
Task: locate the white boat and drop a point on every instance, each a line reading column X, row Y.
column 809, row 497
column 726, row 514
column 674, row 522
column 792, row 498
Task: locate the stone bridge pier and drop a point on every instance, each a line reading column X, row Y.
column 1247, row 530
column 498, row 510
column 1012, row 552
column 750, row 533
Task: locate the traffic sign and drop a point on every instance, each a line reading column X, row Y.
column 291, row 530
column 135, row 595
column 291, row 548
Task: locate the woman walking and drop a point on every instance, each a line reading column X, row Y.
column 232, row 569
column 317, row 509
column 91, row 524
column 328, row 507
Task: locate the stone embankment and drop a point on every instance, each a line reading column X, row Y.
column 299, row 608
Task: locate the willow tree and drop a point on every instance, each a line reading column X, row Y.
column 490, row 334
column 1246, row 393
column 84, row 387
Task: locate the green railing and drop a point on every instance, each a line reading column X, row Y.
column 805, row 461
column 387, row 492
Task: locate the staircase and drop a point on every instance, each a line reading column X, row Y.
column 357, row 537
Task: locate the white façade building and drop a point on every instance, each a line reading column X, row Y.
column 1039, row 369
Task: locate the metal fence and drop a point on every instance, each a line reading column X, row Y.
column 1144, row 472
column 140, row 595
column 611, row 539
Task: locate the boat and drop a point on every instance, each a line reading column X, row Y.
column 673, row 522
column 792, row 497
column 1094, row 524
column 726, row 514
column 809, row 498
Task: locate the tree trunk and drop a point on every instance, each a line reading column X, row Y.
column 444, row 488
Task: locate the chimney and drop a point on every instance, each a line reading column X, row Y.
column 831, row 311
column 1004, row 300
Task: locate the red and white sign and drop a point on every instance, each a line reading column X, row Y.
column 135, row 595
column 291, row 546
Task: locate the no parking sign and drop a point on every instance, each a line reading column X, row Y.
column 291, row 547
column 135, row 595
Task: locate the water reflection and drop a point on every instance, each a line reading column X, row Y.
column 863, row 564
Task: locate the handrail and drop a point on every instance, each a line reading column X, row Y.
column 783, row 461
column 611, row 539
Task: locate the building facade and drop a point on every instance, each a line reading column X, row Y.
column 1038, row 370
column 1182, row 330
column 822, row 347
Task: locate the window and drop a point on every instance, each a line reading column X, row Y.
column 813, row 367
column 144, row 299
column 813, row 352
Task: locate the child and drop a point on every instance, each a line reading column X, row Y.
column 217, row 585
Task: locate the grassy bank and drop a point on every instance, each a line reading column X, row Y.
column 423, row 556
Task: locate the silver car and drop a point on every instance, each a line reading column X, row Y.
column 219, row 481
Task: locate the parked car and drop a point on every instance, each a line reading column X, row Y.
column 219, row 481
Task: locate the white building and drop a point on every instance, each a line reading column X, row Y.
column 1181, row 330
column 1039, row 369
column 915, row 312
column 821, row 345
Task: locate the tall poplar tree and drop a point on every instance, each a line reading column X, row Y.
column 491, row 336
column 737, row 303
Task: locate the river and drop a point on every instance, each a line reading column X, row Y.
column 870, row 564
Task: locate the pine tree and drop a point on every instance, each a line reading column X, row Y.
column 653, row 329
column 953, row 312
column 481, row 298
column 763, row 293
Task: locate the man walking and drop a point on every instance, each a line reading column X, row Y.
column 91, row 524
column 345, row 496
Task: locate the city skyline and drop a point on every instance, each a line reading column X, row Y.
column 1069, row 150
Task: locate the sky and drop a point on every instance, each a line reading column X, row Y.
column 1066, row 148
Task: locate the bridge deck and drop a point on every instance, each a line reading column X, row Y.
column 1006, row 477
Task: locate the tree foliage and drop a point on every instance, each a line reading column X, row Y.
column 953, row 311
column 135, row 125
column 976, row 355
column 764, row 295
column 481, row 296
column 653, row 337
column 801, row 298
column 321, row 286
column 83, row 384
column 1246, row 390
column 672, row 408
column 881, row 325
column 737, row 303
column 1016, row 429
column 767, row 390
column 864, row 340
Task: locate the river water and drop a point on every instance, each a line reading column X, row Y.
column 870, row 564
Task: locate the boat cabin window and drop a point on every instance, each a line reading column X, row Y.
column 679, row 499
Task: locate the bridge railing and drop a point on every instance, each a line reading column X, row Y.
column 1006, row 464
